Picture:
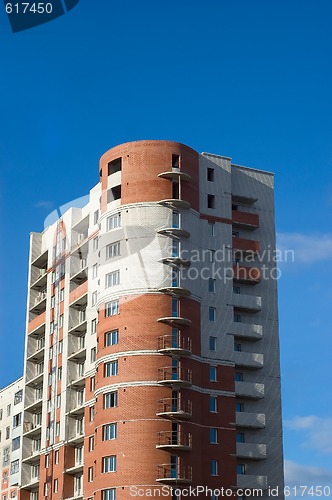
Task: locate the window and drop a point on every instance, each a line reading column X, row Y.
column 212, row 314
column 94, row 298
column 213, row 404
column 93, row 355
column 7, row 432
column 214, row 467
column 62, row 295
column 51, row 327
column 210, row 174
column 59, row 373
column 1, row 414
column 236, row 289
column 109, row 494
column 109, row 464
column 92, row 413
column 95, row 271
column 239, row 407
column 211, row 201
column 52, row 304
column 111, row 338
column 237, row 318
column 176, row 219
column 47, row 461
column 213, row 343
column 17, row 420
column 111, row 399
column 237, row 347
column 175, row 162
column 112, row 308
column 93, row 326
column 90, row 474
column 57, row 429
column 240, row 437
column 113, row 221
column 95, row 244
column 56, row 456
column 113, row 250
column 61, row 321
column 77, row 485
column 92, row 383
column 212, row 285
column 213, row 436
column 96, row 217
column 239, row 377
column 15, row 467
column 213, row 374
column 109, row 432
column 115, row 166
column 34, row 495
column 56, row 486
column 212, row 255
column 8, row 410
column 112, row 279
column 16, row 443
column 45, row 489
column 175, row 308
column 58, row 401
column 241, row 469
column 18, row 396
column 111, row 368
column 91, row 443
column 211, row 228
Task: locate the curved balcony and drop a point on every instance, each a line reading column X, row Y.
column 175, row 321
column 179, row 291
column 169, row 440
column 175, row 175
column 175, row 203
column 175, row 232
column 174, row 376
column 167, row 473
column 176, row 261
column 173, row 408
column 170, row 344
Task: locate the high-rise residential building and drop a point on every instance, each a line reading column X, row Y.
column 11, row 429
column 152, row 356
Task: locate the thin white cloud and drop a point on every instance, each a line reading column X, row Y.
column 316, row 431
column 43, row 204
column 306, row 475
column 308, row 248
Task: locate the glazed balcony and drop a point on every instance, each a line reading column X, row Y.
column 170, row 344
column 246, row 275
column 174, row 376
column 247, row 331
column 251, row 451
column 170, row 408
column 250, row 481
column 245, row 246
column 245, row 220
column 174, row 441
column 250, row 420
column 250, row 390
column 166, row 473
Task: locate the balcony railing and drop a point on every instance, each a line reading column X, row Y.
column 174, row 344
column 178, row 408
column 247, row 275
column 168, row 473
column 174, row 376
column 245, row 220
column 174, row 440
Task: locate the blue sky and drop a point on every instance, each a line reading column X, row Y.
column 246, row 79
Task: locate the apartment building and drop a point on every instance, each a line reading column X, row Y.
column 152, row 357
column 11, row 428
